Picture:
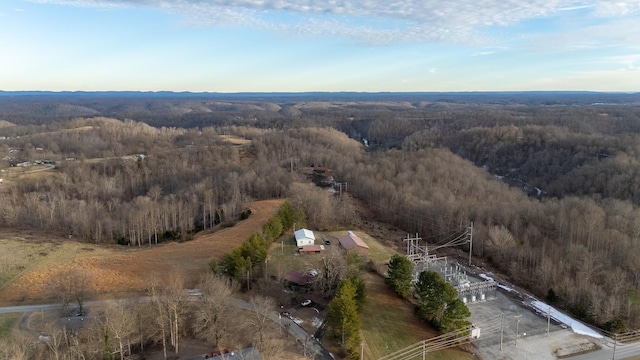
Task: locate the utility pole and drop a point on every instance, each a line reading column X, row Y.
column 340, row 185
column 615, row 342
column 548, row 320
column 413, row 246
column 517, row 323
column 501, row 330
column 470, row 229
column 362, row 351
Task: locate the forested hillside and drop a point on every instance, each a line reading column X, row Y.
column 430, row 167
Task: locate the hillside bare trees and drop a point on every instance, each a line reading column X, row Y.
column 428, row 166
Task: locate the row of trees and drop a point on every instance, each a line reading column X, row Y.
column 438, row 303
column 124, row 328
column 342, row 316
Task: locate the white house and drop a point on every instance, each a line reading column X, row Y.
column 304, row 237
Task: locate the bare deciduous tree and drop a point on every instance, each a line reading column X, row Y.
column 73, row 286
column 260, row 323
column 213, row 314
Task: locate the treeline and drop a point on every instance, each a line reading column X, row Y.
column 137, row 329
column 130, row 183
column 145, row 185
column 556, row 160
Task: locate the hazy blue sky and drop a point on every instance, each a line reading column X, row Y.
column 329, row 45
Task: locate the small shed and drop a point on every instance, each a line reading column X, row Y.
column 304, row 237
column 311, row 249
column 351, row 242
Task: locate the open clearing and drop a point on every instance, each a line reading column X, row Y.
column 236, row 140
column 117, row 270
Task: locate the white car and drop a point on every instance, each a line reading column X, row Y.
column 312, row 272
column 306, row 302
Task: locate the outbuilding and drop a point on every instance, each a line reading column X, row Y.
column 351, row 242
column 311, row 249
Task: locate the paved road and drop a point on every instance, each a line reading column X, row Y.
column 314, row 346
column 627, row 351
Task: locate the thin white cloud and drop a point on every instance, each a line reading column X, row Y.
column 611, row 8
column 375, row 21
column 628, row 62
column 484, row 53
column 576, row 7
column 608, row 34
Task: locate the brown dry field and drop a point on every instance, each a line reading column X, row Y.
column 116, row 270
column 236, row 140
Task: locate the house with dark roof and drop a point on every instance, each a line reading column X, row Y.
column 297, row 281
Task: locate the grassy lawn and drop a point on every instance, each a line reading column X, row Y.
column 388, row 324
column 7, row 322
column 283, row 257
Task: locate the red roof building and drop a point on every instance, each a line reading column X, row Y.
column 351, row 241
column 311, row 249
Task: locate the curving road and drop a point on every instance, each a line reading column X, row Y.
column 312, row 344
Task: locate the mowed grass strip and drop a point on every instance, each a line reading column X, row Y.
column 388, row 324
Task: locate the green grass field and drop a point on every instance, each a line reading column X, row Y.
column 7, row 322
column 388, row 324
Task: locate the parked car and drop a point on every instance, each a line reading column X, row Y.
column 306, row 302
column 327, row 242
column 312, row 272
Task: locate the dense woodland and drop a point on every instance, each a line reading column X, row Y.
column 552, row 189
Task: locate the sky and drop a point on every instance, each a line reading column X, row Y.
column 320, row 45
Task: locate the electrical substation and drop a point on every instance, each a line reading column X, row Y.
column 470, row 289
